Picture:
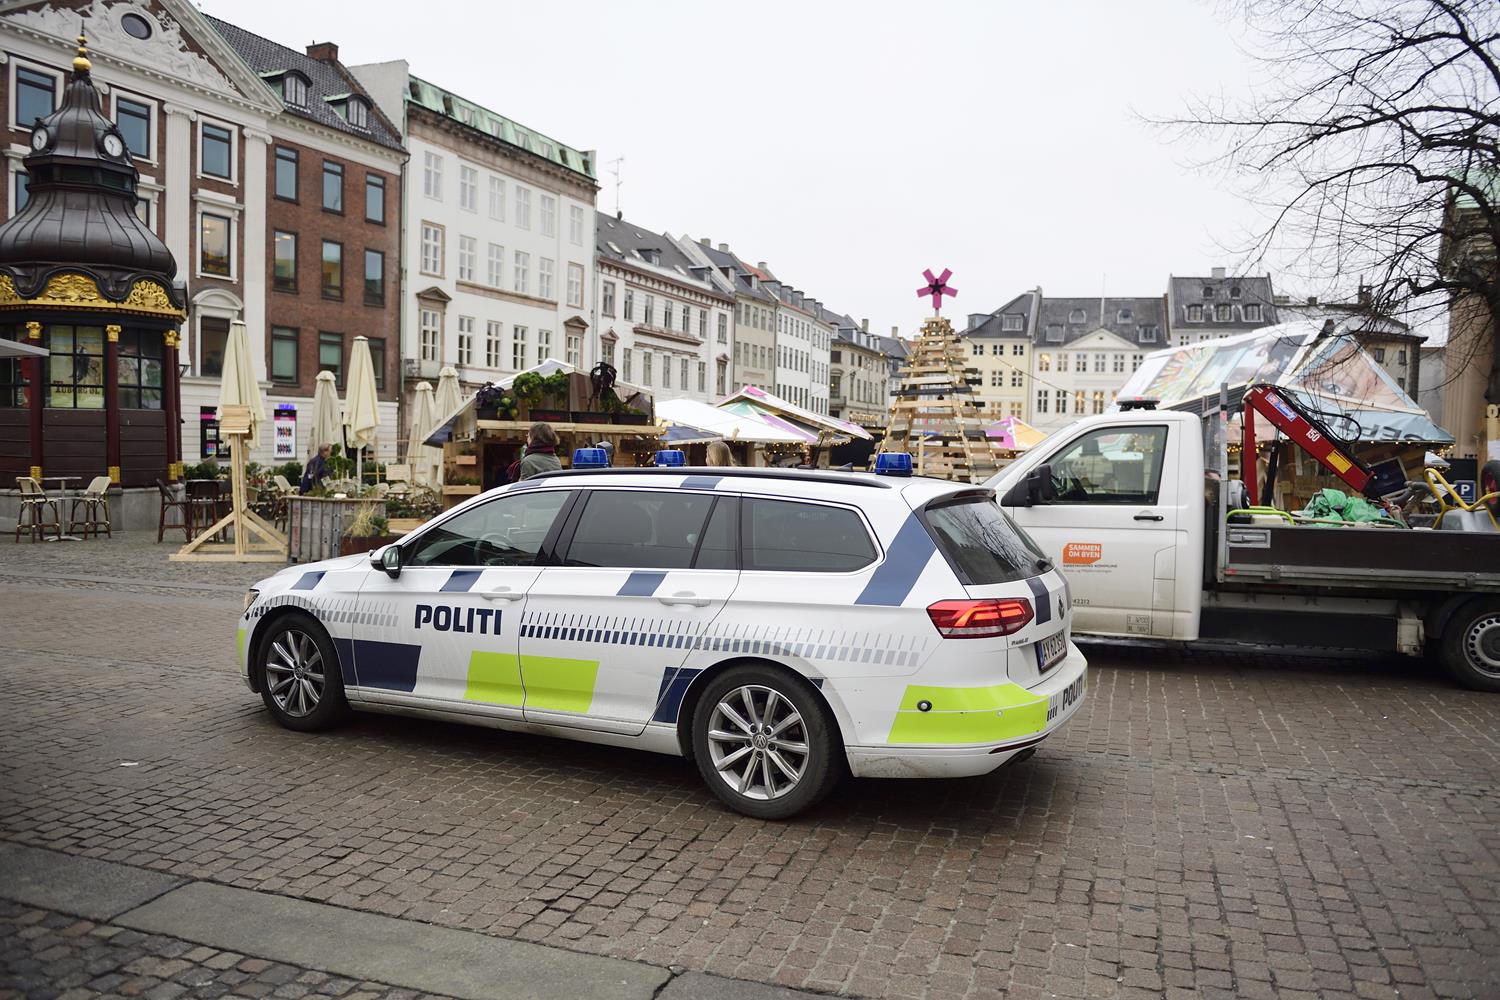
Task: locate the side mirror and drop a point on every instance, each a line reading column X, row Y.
column 387, row 558
column 1032, row 491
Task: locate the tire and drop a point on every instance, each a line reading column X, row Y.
column 1471, row 646
column 803, row 758
column 1489, row 482
column 300, row 680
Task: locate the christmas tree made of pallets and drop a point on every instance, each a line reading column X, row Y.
column 934, row 417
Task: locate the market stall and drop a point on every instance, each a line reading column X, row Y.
column 752, row 439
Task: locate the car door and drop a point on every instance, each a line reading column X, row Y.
column 642, row 575
column 1112, row 528
column 445, row 629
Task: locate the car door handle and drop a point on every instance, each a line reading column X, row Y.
column 685, row 597
column 1149, row 517
column 502, row 595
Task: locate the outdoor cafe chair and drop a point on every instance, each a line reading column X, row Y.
column 205, row 497
column 171, row 501
column 284, row 492
column 36, row 505
column 95, row 499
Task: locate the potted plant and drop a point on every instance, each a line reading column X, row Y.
column 546, row 396
column 369, row 530
column 494, row 403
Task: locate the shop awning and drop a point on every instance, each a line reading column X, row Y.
column 750, row 428
column 16, row 349
column 770, row 402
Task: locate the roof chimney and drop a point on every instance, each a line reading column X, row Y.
column 1312, row 300
column 723, row 248
column 864, row 325
column 896, row 332
column 323, row 52
column 761, row 265
column 705, row 241
column 1218, row 273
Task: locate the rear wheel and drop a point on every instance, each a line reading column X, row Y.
column 1471, row 646
column 764, row 742
column 300, row 681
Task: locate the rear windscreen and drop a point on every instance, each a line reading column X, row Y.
column 981, row 543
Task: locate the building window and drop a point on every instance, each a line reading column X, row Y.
column 521, row 277
column 213, row 335
column 646, row 368
column 523, row 207
column 494, row 274
column 1118, row 363
column 1044, row 362
column 574, row 350
column 1135, row 361
column 333, row 270
column 284, row 345
column 721, row 378
column 493, row 331
column 650, row 318
column 1379, row 353
column 544, row 276
column 575, row 225
column 666, row 312
column 702, row 323
column 1147, row 334
column 22, row 187
column 284, row 267
column 133, row 118
column 1401, row 356
column 997, row 379
column 1016, row 379
column 683, row 371
column 432, row 176
column 374, row 278
column 625, row 357
column 432, row 249
column 1208, row 292
column 377, row 360
column 75, row 372
column 139, row 370
column 333, row 187
column 468, row 189
column 575, row 285
column 549, row 215
column 1222, row 313
column 543, row 345
column 1018, row 350
column 977, row 350
column 1041, row 401
column 36, row 96
column 468, row 253
column 286, row 173
column 215, row 242
column 702, row 377
column 518, row 348
column 723, row 328
column 1079, row 403
column 1010, row 322
column 1252, row 313
column 357, row 112
column 497, row 198
column 1195, row 314
column 1099, row 360
column 1054, row 333
column 629, row 313
column 294, row 89
column 1234, row 291
column 607, row 352
column 216, row 151
column 331, row 355
column 607, row 298
column 430, row 335
column 1098, row 401
column 466, row 340
column 374, row 199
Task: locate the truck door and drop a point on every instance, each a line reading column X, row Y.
column 1112, row 528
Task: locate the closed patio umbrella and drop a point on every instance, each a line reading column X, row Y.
column 425, row 460
column 362, row 402
column 448, row 396
column 326, row 426
column 237, row 384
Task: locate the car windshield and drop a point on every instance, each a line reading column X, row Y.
column 982, row 544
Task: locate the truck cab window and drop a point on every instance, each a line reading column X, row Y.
column 1111, row 466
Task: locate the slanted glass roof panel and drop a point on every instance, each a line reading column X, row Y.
column 476, row 116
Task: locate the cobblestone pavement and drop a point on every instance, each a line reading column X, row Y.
column 1208, row 825
column 45, row 955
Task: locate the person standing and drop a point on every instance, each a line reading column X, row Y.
column 541, row 452
column 317, row 469
column 719, row 454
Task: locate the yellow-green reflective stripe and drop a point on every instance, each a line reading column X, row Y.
column 989, row 714
column 494, row 678
column 552, row 683
column 558, row 684
column 240, row 645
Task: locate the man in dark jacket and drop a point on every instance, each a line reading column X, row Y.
column 317, row 468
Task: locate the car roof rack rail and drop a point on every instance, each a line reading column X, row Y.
column 730, row 472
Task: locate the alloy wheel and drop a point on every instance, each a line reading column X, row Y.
column 1482, row 644
column 758, row 742
column 294, row 672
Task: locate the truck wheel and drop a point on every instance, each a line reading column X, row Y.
column 1471, row 646
column 1489, row 482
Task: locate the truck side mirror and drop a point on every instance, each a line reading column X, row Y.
column 1032, row 491
column 388, row 559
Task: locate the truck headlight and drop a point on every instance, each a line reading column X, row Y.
column 250, row 597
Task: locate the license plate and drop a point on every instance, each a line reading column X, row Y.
column 1049, row 650
column 1066, row 698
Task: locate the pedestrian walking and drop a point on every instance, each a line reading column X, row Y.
column 719, row 454
column 317, row 469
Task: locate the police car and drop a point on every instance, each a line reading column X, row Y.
column 776, row 627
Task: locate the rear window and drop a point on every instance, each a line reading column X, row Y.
column 981, row 543
column 804, row 538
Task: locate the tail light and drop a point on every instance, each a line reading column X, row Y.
column 980, row 619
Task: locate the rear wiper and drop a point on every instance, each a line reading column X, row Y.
column 1043, row 565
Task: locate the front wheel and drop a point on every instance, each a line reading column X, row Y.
column 1471, row 646
column 300, row 680
column 764, row 742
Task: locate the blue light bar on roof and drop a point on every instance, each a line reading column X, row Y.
column 671, row 456
column 590, row 458
column 893, row 463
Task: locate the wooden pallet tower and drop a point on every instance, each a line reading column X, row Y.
column 934, row 417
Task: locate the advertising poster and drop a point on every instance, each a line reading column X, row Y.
column 284, row 439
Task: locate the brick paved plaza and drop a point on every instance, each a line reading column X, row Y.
column 1211, row 824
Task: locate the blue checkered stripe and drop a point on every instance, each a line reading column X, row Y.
column 830, row 645
column 350, row 611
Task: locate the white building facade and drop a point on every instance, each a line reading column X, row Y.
column 498, row 220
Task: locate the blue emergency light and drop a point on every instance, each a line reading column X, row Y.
column 590, row 458
column 671, row 456
column 893, row 463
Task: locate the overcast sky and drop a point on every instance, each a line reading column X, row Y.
column 850, row 145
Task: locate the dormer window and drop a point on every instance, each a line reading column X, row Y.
column 357, row 112
column 1054, row 333
column 1124, row 316
column 1234, row 291
column 294, row 89
column 650, row 255
column 1077, row 316
column 1208, row 292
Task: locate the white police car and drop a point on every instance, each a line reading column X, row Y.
column 772, row 625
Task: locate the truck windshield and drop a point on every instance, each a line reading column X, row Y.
column 982, row 545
